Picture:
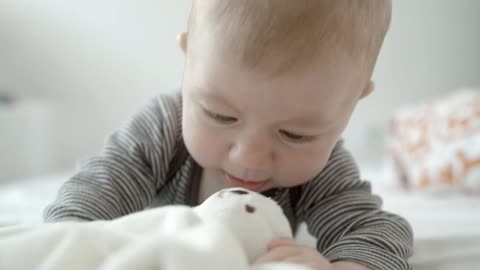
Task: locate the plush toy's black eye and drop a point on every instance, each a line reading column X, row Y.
column 249, row 208
column 240, row 192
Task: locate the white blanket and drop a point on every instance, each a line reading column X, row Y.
column 447, row 235
column 228, row 231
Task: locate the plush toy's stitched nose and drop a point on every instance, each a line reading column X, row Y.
column 240, row 192
column 249, row 208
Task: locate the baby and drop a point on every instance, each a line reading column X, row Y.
column 268, row 88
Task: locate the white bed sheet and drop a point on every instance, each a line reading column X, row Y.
column 23, row 201
column 431, row 215
column 447, row 227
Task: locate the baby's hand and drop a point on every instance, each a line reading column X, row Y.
column 287, row 250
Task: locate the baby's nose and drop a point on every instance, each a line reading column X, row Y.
column 252, row 157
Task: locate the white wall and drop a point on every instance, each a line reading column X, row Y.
column 98, row 61
column 433, row 47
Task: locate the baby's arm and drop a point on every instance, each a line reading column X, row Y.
column 348, row 221
column 125, row 177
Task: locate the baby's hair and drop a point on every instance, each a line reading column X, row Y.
column 282, row 35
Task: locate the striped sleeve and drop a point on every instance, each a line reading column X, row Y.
column 132, row 167
column 348, row 221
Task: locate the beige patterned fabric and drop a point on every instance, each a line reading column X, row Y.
column 435, row 146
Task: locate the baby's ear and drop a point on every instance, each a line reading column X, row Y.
column 368, row 89
column 182, row 40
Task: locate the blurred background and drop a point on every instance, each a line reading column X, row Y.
column 75, row 70
column 71, row 72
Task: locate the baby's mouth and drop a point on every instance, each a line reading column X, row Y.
column 253, row 185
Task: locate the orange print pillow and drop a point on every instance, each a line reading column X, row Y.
column 436, row 145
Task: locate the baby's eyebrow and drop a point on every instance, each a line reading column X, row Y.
column 213, row 95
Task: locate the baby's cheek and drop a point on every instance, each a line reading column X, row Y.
column 204, row 145
column 299, row 169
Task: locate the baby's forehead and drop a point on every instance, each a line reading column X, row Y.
column 280, row 35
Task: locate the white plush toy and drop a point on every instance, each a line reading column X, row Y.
column 228, row 231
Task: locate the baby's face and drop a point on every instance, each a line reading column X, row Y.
column 253, row 131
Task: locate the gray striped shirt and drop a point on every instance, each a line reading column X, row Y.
column 131, row 174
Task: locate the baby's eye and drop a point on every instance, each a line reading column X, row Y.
column 296, row 138
column 223, row 119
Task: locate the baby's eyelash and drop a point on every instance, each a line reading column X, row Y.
column 296, row 137
column 220, row 118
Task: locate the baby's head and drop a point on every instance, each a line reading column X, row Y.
column 269, row 86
